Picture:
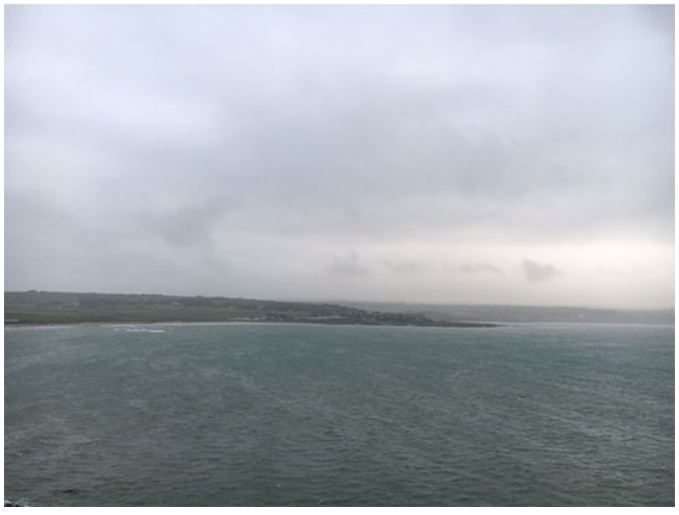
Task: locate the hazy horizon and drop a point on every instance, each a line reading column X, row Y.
column 354, row 301
column 475, row 155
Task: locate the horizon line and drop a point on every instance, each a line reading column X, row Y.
column 355, row 301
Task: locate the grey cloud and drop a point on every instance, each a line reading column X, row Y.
column 479, row 268
column 538, row 272
column 347, row 266
column 297, row 128
column 189, row 225
column 404, row 267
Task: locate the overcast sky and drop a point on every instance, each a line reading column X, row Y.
column 447, row 154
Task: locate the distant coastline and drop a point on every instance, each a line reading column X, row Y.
column 20, row 325
column 38, row 308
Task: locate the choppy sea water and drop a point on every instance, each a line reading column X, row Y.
column 257, row 415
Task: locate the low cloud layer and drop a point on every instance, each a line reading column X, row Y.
column 404, row 267
column 286, row 151
column 479, row 268
column 538, row 272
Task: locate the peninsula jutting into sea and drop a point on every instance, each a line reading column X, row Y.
column 39, row 307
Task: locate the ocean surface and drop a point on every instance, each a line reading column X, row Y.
column 305, row 415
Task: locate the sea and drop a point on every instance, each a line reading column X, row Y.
column 322, row 415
